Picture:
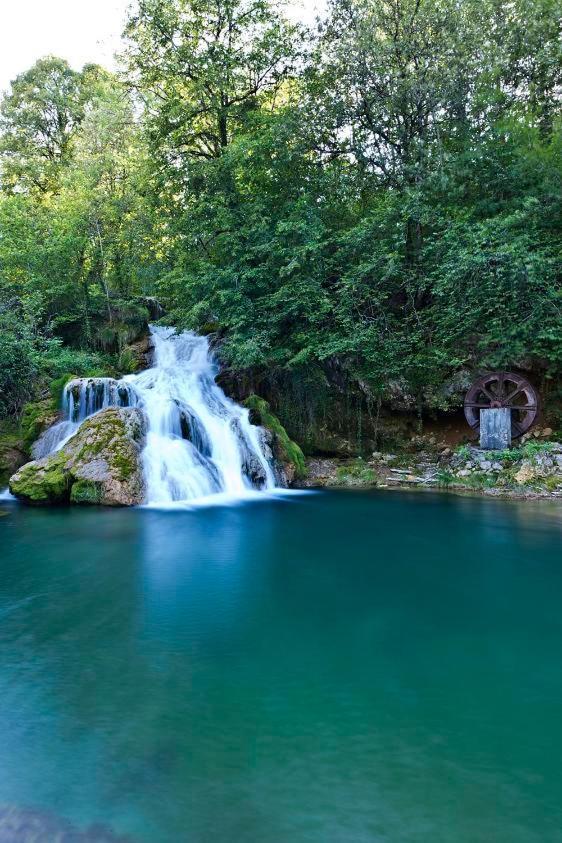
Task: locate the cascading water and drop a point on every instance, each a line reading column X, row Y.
column 81, row 398
column 199, row 442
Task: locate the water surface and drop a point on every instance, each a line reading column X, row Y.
column 329, row 668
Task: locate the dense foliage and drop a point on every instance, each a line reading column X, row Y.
column 375, row 201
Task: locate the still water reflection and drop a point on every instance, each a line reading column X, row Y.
column 333, row 667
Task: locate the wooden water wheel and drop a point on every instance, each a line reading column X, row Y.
column 503, row 389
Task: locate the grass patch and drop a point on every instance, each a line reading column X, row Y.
column 85, row 492
column 445, row 478
column 356, row 473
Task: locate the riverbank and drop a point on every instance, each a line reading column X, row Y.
column 528, row 472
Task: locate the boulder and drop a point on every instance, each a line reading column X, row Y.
column 101, row 464
column 527, row 473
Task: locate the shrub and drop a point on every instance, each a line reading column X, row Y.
column 18, row 367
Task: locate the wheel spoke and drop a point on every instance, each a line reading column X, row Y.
column 476, row 406
column 515, row 426
column 501, row 385
column 514, row 394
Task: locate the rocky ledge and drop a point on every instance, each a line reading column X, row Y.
column 101, row 464
column 531, row 470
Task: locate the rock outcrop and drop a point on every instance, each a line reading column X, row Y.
column 37, row 417
column 288, row 459
column 12, row 456
column 136, row 356
column 100, row 465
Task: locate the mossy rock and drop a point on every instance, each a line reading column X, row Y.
column 287, row 452
column 136, row 356
column 85, row 492
column 12, row 450
column 43, row 481
column 101, row 464
column 57, row 385
column 35, row 419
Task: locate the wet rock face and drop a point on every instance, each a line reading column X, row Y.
column 251, row 465
column 101, row 464
column 284, row 455
column 192, row 430
column 283, row 471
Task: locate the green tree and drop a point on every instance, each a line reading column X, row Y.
column 203, row 66
column 38, row 120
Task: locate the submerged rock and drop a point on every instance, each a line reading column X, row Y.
column 100, row 465
column 28, row 825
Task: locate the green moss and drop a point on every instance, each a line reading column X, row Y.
column 12, row 454
column 208, row 328
column 445, row 478
column 56, row 387
column 287, row 450
column 124, row 465
column 480, row 481
column 463, row 452
column 527, row 451
column 552, row 483
column 43, row 482
column 85, row 492
column 105, row 432
column 108, row 438
column 36, row 417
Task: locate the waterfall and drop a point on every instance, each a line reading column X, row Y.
column 199, row 442
column 82, row 397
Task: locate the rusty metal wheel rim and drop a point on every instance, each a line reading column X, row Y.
column 503, row 389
